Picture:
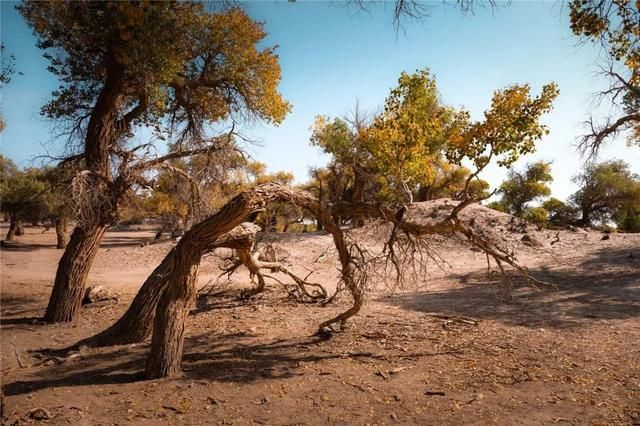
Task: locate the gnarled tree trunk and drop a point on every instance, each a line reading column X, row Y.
column 168, row 330
column 137, row 322
column 167, row 339
column 12, row 229
column 72, row 273
column 19, row 229
column 61, row 232
column 102, row 131
column 167, row 343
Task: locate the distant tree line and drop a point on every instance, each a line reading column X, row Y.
column 608, row 194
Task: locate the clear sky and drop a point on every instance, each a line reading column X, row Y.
column 331, row 56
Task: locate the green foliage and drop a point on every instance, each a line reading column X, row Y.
column 406, row 141
column 7, row 168
column 449, row 182
column 510, row 128
column 21, row 195
column 536, row 215
column 521, row 188
column 615, row 26
column 499, row 206
column 614, row 23
column 415, row 148
column 628, row 220
column 173, row 66
column 559, row 213
column 349, row 175
column 605, row 190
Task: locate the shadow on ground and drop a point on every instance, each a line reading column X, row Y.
column 232, row 357
column 13, row 309
column 605, row 286
column 110, row 241
column 23, row 247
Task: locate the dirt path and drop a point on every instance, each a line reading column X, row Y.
column 569, row 356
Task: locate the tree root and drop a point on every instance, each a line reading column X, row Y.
column 305, row 290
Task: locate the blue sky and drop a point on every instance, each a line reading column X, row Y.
column 331, row 56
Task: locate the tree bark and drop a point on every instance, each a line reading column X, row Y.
column 12, row 229
column 19, row 229
column 72, row 273
column 167, row 340
column 79, row 254
column 167, row 343
column 61, row 232
column 137, row 322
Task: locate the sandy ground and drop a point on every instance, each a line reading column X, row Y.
column 569, row 356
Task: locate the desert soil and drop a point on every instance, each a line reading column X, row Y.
column 453, row 352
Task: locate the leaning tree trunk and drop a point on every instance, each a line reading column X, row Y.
column 104, row 128
column 167, row 340
column 61, row 232
column 183, row 261
column 137, row 322
column 167, row 343
column 12, row 229
column 72, row 273
column 19, row 229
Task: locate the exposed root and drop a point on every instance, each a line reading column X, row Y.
column 501, row 256
column 249, row 258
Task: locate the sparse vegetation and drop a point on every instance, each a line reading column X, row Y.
column 194, row 262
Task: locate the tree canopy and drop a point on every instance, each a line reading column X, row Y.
column 607, row 191
column 416, row 147
column 177, row 66
column 521, row 188
column 615, row 25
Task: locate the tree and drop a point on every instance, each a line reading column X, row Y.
column 628, row 219
column 406, row 141
column 558, row 212
column 397, row 155
column 503, row 141
column 172, row 284
column 21, row 194
column 416, row 147
column 605, row 190
column 615, row 25
column 349, row 175
column 536, row 215
column 172, row 67
column 521, row 188
column 511, row 128
column 56, row 198
column 7, row 70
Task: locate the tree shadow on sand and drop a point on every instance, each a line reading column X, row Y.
column 230, row 357
column 605, row 286
column 14, row 307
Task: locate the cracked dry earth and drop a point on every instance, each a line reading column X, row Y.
column 452, row 353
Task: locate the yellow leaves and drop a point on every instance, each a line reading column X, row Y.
column 405, row 141
column 510, row 128
column 614, row 23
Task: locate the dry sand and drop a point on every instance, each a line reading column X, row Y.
column 569, row 356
